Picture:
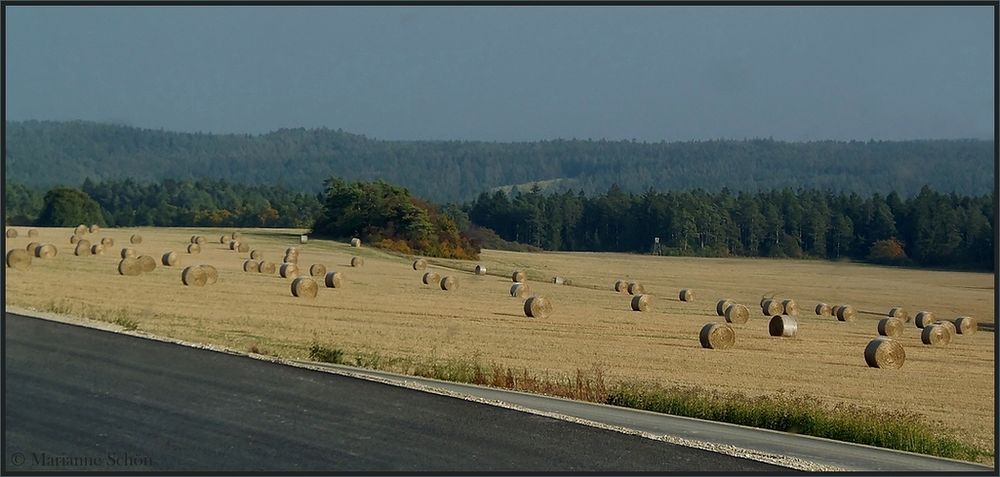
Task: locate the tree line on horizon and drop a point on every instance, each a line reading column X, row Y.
column 930, row 229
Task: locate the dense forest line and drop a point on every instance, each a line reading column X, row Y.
column 929, row 229
column 47, row 153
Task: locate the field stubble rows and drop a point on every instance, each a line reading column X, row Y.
column 384, row 308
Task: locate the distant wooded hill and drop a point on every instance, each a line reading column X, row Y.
column 47, row 153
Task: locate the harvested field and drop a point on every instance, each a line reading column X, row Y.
column 591, row 326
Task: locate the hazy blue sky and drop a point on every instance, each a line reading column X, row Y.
column 512, row 73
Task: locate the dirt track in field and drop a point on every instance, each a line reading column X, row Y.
column 384, row 307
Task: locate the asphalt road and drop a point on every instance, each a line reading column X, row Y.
column 82, row 399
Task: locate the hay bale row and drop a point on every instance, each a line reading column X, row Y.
column 783, row 326
column 846, row 313
column 891, row 327
column 46, row 250
column 822, row 309
column 537, row 307
column 640, row 302
column 198, row 240
column 317, row 270
column 884, row 353
column 288, row 270
column 480, row 270
column 171, row 258
column 304, row 287
column 686, row 294
column 334, row 280
column 430, row 278
column 18, row 259
column 251, row 266
column 193, row 248
column 935, row 335
column 717, row 336
column 420, row 264
column 135, row 239
column 620, row 286
column 357, row 261
column 965, row 325
column 517, row 276
column 265, row 267
column 923, row 319
column 30, row 248
column 449, row 283
column 635, row 288
column 736, row 313
column 947, row 324
column 721, row 305
column 518, row 289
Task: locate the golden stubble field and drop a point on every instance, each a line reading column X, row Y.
column 384, row 307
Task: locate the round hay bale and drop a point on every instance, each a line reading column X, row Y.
column 233, row 244
column 721, row 305
column 31, row 248
column 243, row 247
column 822, row 309
column 80, row 230
column 290, row 259
column 771, row 307
column 430, row 278
column 449, row 283
column 265, row 267
column 891, row 327
column 783, row 326
column 18, row 259
column 32, row 232
column 947, row 324
column 83, row 242
column 686, row 294
column 736, row 313
column 97, row 249
column 288, row 270
column 537, row 307
column 518, row 289
column 420, row 264
column 82, row 249
column 223, row 239
column 211, row 274
column 171, row 258
column 480, row 270
column 847, row 313
column 148, row 263
column 935, row 335
column 334, row 280
column 194, row 276
column 304, row 287
column 884, row 353
column 108, row 242
column 835, row 309
column 193, row 248
column 94, row 228
column 635, row 288
column 128, row 252
column 135, row 239
column 357, row 261
column 356, row 242
column 250, row 265
column 966, row 325
column 620, row 286
column 899, row 312
column 46, row 251
column 11, row 233
column 717, row 336
column 790, row 307
column 317, row 270
column 292, row 251
column 234, row 235
column 640, row 302
column 73, row 239
column 923, row 319
column 129, row 266
column 517, row 276
column 256, row 254
column 200, row 240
